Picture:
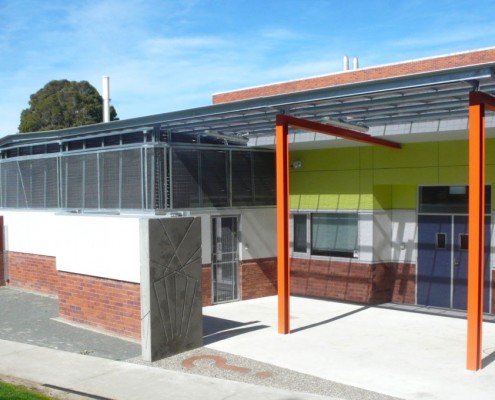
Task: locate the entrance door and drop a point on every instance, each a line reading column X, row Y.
column 443, row 261
column 225, row 258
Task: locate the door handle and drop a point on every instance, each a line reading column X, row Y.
column 456, row 263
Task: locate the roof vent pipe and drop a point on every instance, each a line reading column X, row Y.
column 106, row 98
column 345, row 63
column 355, row 63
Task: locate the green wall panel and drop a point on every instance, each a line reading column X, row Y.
column 453, row 153
column 404, row 197
column 369, row 178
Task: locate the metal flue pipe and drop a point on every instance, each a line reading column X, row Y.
column 106, row 98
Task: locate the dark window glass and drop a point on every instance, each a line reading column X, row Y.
column 39, row 149
column 184, row 137
column 205, row 139
column 448, row 199
column 300, row 233
column 52, row 148
column 334, row 234
column 441, row 241
column 75, row 145
column 12, row 152
column 242, row 179
column 463, row 241
column 25, row 151
column 111, row 140
column 95, row 142
column 133, row 137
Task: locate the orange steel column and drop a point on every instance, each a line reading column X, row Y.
column 476, row 234
column 283, row 269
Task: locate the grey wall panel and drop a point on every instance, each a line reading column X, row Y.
column 171, row 307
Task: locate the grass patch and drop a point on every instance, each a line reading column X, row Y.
column 13, row 392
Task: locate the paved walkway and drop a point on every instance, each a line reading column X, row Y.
column 103, row 379
column 408, row 354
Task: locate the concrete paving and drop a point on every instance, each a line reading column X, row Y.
column 103, row 379
column 410, row 355
column 31, row 318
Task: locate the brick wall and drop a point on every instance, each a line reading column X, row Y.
column 2, row 275
column 404, row 281
column 492, row 310
column 362, row 75
column 104, row 303
column 258, row 278
column 32, row 272
column 206, row 285
column 355, row 282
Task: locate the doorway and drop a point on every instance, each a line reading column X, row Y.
column 443, row 261
column 225, row 258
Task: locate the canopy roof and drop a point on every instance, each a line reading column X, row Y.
column 430, row 96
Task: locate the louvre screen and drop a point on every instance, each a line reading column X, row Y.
column 264, row 178
column 242, row 178
column 29, row 183
column 185, row 178
column 214, row 178
column 137, row 178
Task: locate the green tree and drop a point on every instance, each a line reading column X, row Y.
column 63, row 104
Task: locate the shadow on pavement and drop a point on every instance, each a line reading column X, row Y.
column 216, row 329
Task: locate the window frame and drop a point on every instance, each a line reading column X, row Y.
column 338, row 255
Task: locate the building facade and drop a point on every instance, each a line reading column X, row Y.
column 368, row 224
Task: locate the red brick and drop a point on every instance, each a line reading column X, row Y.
column 478, row 57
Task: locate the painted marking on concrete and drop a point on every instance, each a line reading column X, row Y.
column 221, row 362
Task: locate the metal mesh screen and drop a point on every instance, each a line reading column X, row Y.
column 185, row 178
column 264, row 178
column 132, row 195
column 140, row 178
column 72, row 177
column 110, row 179
column 29, row 183
column 91, row 181
column 214, row 178
column 105, row 180
column 242, row 178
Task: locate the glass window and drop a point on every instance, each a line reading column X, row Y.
column 334, row 234
column 300, row 233
column 448, row 199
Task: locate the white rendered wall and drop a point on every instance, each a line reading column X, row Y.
column 102, row 246
column 365, row 237
column 258, row 234
column 382, row 236
column 404, row 236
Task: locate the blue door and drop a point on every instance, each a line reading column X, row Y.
column 443, row 261
column 460, row 261
column 434, row 260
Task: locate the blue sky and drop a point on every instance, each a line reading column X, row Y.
column 168, row 55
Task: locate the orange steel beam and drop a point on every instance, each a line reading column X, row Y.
column 337, row 131
column 482, row 98
column 476, row 241
column 282, row 166
column 283, row 269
